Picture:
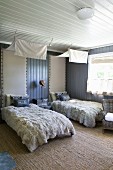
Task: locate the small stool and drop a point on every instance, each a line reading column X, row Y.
column 107, row 125
column 108, row 112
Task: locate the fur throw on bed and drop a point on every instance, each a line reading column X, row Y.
column 36, row 125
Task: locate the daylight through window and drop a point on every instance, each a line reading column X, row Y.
column 100, row 75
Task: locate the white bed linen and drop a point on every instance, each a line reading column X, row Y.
column 36, row 125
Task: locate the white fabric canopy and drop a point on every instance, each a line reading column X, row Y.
column 78, row 56
column 75, row 56
column 28, row 49
column 101, row 58
column 66, row 54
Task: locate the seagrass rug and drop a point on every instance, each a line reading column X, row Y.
column 89, row 149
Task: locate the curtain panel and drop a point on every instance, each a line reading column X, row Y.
column 100, row 86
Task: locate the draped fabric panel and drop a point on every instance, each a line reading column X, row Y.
column 78, row 56
column 28, row 49
column 75, row 56
column 66, row 54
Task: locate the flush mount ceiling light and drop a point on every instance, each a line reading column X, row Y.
column 85, row 13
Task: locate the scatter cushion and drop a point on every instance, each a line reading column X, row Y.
column 9, row 98
column 53, row 96
column 58, row 94
column 109, row 117
column 20, row 101
column 64, row 97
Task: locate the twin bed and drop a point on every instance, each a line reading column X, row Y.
column 36, row 125
column 85, row 112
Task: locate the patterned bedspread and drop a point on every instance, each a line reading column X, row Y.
column 86, row 112
column 36, row 125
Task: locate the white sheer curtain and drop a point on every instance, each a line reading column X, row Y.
column 100, row 86
column 100, row 74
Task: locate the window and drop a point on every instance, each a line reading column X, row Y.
column 100, row 74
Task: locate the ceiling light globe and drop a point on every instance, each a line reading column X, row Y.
column 85, row 13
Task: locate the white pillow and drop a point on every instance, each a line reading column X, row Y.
column 109, row 117
column 9, row 98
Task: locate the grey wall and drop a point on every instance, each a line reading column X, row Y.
column 76, row 77
column 101, row 50
column 38, row 70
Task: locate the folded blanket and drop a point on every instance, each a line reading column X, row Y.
column 109, row 117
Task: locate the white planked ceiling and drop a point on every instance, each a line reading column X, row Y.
column 55, row 22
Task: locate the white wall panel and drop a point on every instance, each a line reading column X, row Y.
column 14, row 74
column 57, row 74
